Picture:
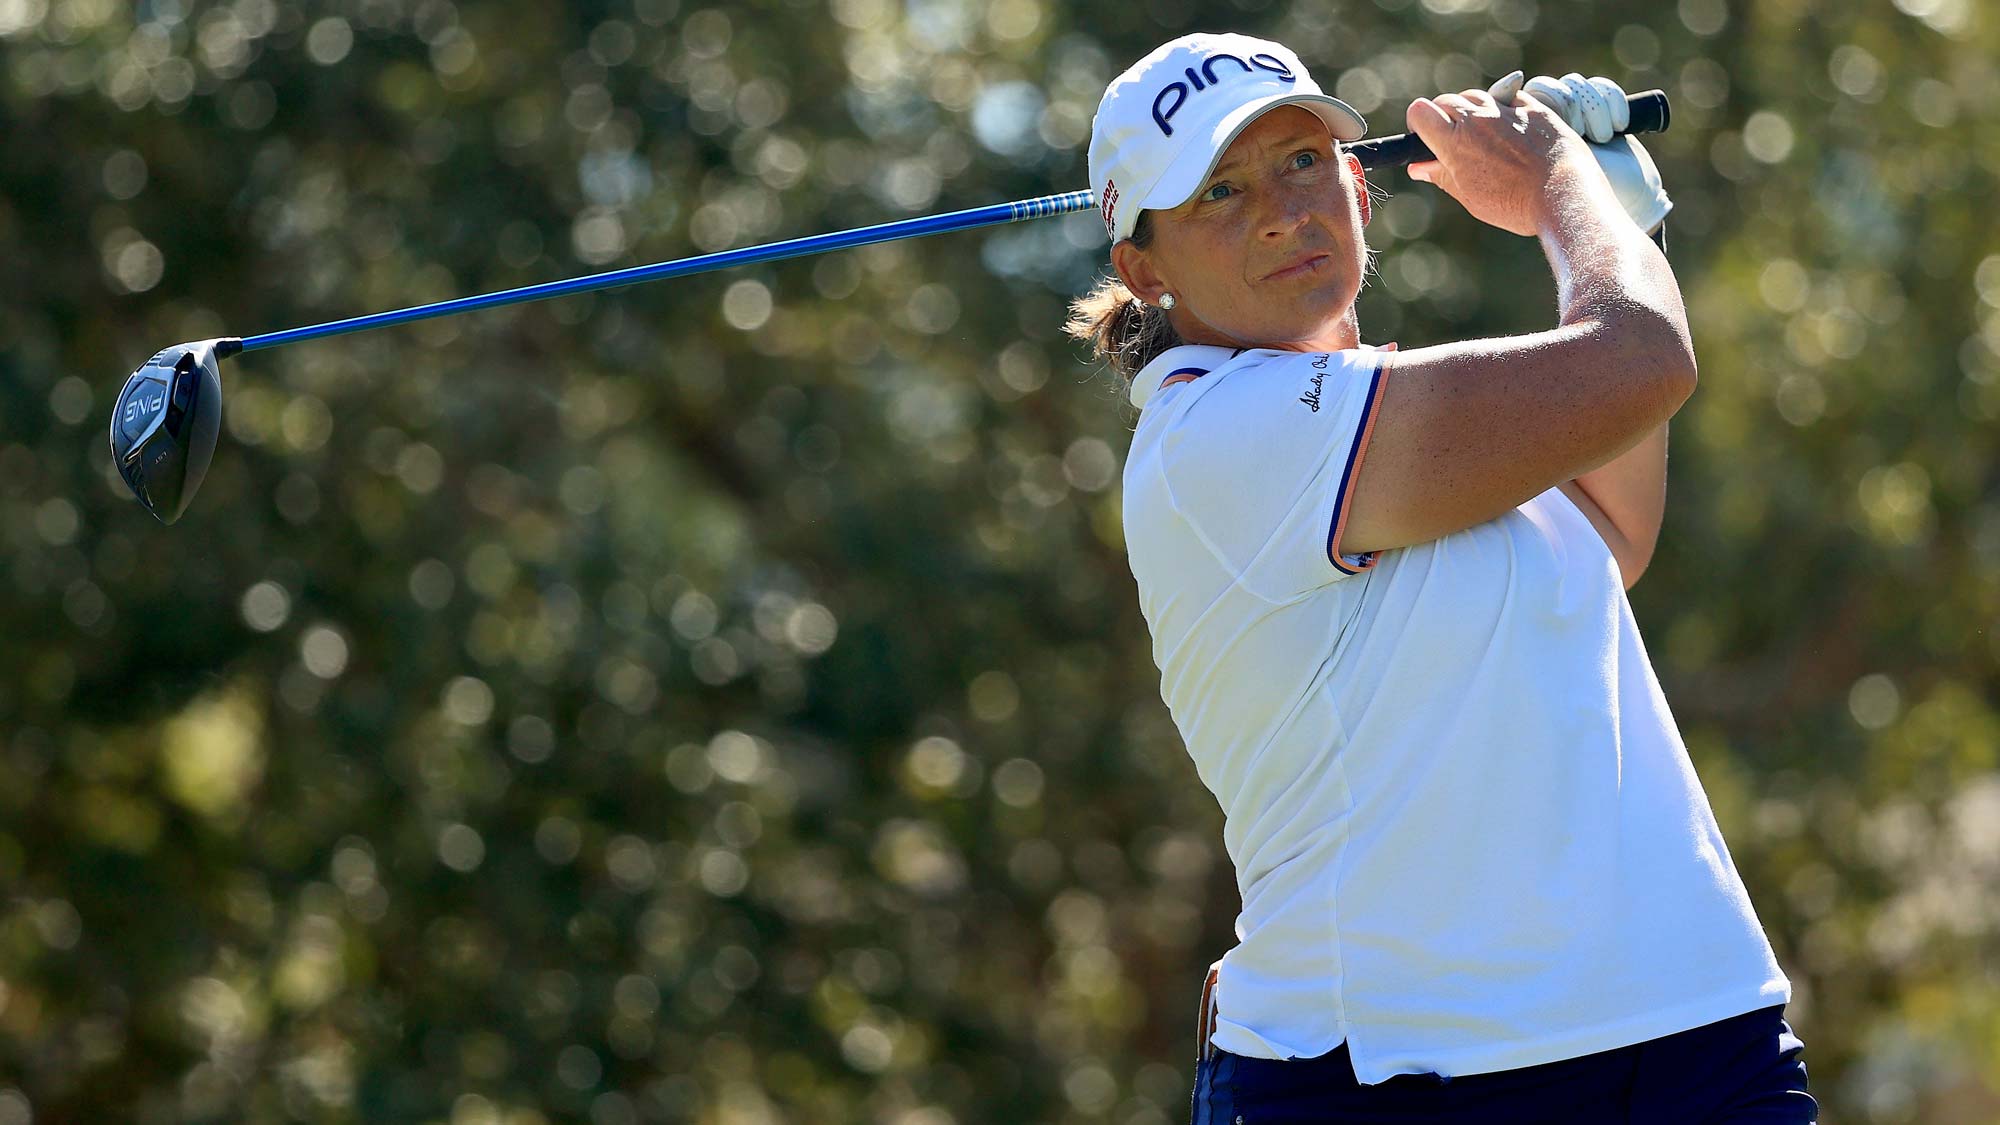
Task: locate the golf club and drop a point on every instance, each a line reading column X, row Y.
column 165, row 421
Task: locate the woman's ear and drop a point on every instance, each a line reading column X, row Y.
column 1360, row 179
column 1135, row 269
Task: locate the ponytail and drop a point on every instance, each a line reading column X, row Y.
column 1122, row 330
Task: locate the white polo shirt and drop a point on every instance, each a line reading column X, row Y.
column 1466, row 832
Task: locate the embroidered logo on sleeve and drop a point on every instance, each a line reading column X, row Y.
column 1317, row 381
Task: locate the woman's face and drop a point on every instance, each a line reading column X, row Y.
column 1269, row 251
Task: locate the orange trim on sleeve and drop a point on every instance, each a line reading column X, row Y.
column 1354, row 456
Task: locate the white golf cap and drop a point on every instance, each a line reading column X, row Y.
column 1165, row 122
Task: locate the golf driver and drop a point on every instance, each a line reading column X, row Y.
column 165, row 420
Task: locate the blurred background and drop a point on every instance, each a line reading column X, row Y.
column 725, row 700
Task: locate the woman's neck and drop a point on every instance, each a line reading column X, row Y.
column 1339, row 334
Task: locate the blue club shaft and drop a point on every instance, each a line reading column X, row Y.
column 1039, row 207
column 1649, row 114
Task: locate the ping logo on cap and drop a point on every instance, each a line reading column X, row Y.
column 1259, row 61
column 1108, row 199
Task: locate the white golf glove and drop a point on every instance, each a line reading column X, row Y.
column 1596, row 109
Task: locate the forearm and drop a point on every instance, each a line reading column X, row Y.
column 1611, row 277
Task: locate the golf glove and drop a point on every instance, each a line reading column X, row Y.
column 1596, row 109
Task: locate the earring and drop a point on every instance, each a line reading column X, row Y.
column 1167, row 301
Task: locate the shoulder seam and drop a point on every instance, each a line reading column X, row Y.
column 1207, row 544
column 1201, row 535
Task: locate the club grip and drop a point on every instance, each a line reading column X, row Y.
column 1650, row 114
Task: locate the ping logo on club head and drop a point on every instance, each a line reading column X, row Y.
column 1207, row 77
column 140, row 406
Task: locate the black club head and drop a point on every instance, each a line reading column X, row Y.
column 164, row 423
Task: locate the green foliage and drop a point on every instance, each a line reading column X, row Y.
column 725, row 700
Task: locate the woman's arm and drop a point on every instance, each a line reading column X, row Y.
column 1625, row 501
column 1469, row 431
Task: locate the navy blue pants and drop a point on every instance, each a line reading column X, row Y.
column 1744, row 1070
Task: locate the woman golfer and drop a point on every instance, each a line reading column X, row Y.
column 1386, row 590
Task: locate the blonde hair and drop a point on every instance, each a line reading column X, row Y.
column 1122, row 331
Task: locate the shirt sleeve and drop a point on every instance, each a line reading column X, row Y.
column 1261, row 463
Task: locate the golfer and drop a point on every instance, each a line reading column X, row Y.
column 1386, row 590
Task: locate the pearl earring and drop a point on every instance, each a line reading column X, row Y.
column 1167, row 301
